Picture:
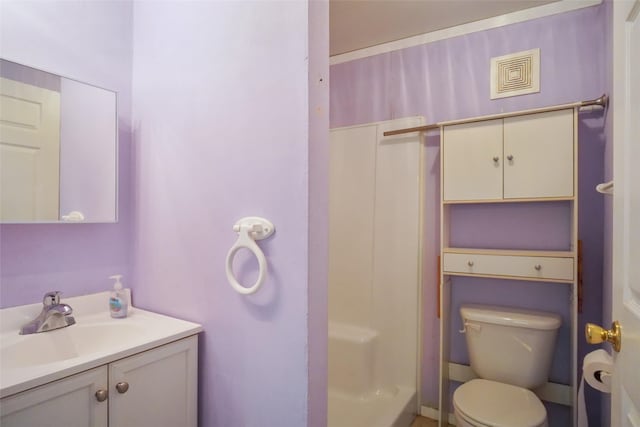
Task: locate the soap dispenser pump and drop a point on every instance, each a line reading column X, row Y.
column 118, row 301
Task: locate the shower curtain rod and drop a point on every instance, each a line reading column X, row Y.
column 602, row 102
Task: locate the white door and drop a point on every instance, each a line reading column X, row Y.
column 625, row 399
column 472, row 161
column 538, row 155
column 29, row 152
column 70, row 401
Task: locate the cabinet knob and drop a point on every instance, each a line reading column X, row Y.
column 122, row 387
column 470, row 263
column 538, row 267
column 102, row 395
column 510, row 157
column 496, row 158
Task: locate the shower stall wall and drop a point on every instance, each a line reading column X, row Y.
column 374, row 274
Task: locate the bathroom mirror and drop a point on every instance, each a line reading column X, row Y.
column 58, row 148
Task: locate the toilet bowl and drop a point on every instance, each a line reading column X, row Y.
column 510, row 350
column 484, row 403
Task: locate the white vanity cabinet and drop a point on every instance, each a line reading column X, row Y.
column 157, row 387
column 522, row 157
column 70, row 401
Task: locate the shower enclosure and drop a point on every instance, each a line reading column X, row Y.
column 374, row 274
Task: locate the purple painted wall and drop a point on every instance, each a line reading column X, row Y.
column 223, row 129
column 231, row 103
column 448, row 80
column 89, row 42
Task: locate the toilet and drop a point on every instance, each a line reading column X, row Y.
column 510, row 351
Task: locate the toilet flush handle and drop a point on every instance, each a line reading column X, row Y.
column 473, row 326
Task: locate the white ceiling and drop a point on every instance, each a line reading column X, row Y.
column 356, row 24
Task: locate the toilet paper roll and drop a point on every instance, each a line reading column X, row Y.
column 596, row 370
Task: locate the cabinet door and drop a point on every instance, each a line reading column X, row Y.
column 472, row 161
column 538, row 152
column 161, row 387
column 67, row 402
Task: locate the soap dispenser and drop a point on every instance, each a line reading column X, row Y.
column 118, row 301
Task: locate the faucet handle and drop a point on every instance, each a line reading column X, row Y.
column 51, row 298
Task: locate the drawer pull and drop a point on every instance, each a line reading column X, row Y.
column 538, row 267
column 470, row 263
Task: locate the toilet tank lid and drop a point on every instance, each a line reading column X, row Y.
column 509, row 316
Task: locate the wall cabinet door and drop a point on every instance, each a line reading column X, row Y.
column 155, row 388
column 520, row 157
column 67, row 402
column 538, row 151
column 472, row 161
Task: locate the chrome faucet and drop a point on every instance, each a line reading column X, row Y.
column 54, row 315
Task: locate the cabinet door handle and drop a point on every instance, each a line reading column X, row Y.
column 538, row 267
column 470, row 263
column 496, row 158
column 102, row 395
column 122, row 387
column 510, row 157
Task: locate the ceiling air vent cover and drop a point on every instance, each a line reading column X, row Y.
column 515, row 74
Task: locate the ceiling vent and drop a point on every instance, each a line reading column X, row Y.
column 515, row 74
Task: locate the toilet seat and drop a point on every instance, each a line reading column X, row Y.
column 492, row 404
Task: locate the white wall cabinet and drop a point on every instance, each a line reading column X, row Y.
column 153, row 388
column 522, row 157
column 503, row 159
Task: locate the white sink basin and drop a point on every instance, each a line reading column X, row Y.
column 65, row 343
column 27, row 361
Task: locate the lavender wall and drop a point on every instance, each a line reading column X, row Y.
column 89, row 42
column 449, row 79
column 222, row 131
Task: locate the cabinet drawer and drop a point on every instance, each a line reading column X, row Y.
column 537, row 267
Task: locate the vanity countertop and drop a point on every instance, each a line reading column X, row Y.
column 27, row 361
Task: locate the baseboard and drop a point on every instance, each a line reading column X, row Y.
column 434, row 414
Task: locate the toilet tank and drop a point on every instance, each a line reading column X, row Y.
column 510, row 345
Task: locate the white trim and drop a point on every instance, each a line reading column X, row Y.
column 471, row 27
column 433, row 414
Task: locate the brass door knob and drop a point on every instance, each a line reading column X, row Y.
column 122, row 387
column 596, row 334
column 102, row 395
